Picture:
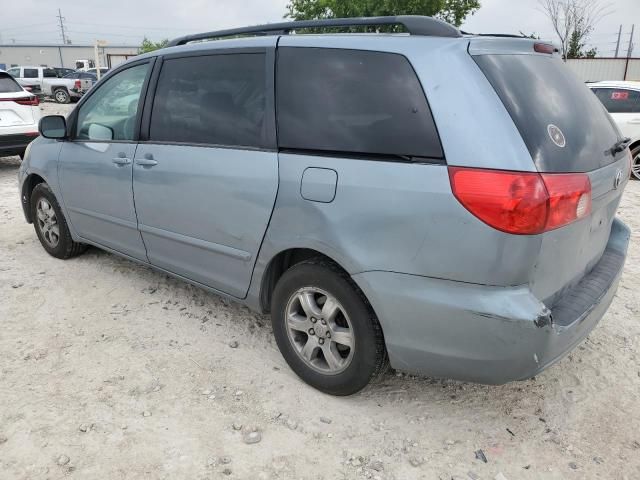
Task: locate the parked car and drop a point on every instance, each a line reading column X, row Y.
column 622, row 101
column 62, row 71
column 445, row 202
column 84, row 64
column 94, row 71
column 46, row 79
column 19, row 116
column 77, row 75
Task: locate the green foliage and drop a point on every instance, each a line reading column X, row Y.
column 149, row 46
column 576, row 48
column 452, row 11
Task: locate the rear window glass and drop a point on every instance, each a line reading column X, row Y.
column 619, row 100
column 350, row 101
column 8, row 84
column 564, row 126
column 213, row 99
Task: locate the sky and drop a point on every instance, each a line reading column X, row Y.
column 121, row 22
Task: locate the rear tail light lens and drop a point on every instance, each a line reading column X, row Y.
column 522, row 203
column 77, row 84
column 544, row 48
column 27, row 100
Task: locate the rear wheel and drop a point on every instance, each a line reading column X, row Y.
column 325, row 329
column 61, row 95
column 635, row 163
column 51, row 226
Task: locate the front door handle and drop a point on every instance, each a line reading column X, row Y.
column 146, row 162
column 122, row 161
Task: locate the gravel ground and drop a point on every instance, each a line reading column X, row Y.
column 109, row 370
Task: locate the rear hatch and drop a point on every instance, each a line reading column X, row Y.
column 12, row 113
column 566, row 130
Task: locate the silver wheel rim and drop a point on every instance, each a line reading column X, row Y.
column 320, row 331
column 61, row 96
column 48, row 223
column 635, row 167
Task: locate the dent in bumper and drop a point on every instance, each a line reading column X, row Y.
column 476, row 333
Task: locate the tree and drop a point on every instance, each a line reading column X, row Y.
column 573, row 21
column 452, row 11
column 577, row 47
column 149, row 46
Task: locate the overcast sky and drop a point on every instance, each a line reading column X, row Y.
column 127, row 21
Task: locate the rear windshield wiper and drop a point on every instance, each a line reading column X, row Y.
column 620, row 146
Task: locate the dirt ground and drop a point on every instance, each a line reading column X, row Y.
column 110, row 370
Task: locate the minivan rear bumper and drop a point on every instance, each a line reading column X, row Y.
column 484, row 334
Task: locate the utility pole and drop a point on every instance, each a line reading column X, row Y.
column 618, row 44
column 630, row 51
column 61, row 20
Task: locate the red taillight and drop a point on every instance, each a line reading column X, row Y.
column 544, row 48
column 27, row 100
column 522, row 203
column 77, row 84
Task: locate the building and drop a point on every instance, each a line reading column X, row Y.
column 62, row 55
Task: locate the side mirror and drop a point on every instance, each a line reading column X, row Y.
column 53, row 126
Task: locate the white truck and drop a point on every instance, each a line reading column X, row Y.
column 44, row 80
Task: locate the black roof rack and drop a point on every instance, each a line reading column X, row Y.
column 414, row 24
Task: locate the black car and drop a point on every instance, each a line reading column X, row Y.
column 81, row 76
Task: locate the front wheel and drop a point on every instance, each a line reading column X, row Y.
column 635, row 163
column 51, row 226
column 61, row 95
column 326, row 330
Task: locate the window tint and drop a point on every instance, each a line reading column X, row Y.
column 8, row 84
column 30, row 73
column 619, row 100
column 49, row 73
column 14, row 72
column 110, row 113
column 352, row 101
column 213, row 99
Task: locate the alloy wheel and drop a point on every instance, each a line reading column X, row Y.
column 320, row 331
column 48, row 223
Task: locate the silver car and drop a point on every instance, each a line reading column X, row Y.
column 440, row 202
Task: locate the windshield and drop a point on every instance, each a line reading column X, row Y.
column 564, row 126
column 8, row 84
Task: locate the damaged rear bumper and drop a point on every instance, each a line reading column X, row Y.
column 486, row 334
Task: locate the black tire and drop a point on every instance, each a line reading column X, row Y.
column 369, row 355
column 635, row 163
column 61, row 95
column 66, row 247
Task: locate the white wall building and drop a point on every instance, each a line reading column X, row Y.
column 62, row 55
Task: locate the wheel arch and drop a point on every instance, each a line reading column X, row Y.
column 32, row 180
column 283, row 261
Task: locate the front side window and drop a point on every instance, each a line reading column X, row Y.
column 211, row 99
column 619, row 100
column 111, row 112
column 350, row 101
column 30, row 73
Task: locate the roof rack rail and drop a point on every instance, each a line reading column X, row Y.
column 414, row 24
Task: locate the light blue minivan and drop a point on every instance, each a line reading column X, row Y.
column 438, row 201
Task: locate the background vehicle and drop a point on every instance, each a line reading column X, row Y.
column 622, row 101
column 19, row 116
column 63, row 90
column 61, row 71
column 441, row 201
column 85, row 64
column 78, row 75
column 94, row 71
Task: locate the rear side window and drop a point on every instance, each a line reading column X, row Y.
column 8, row 84
column 619, row 100
column 211, row 99
column 30, row 73
column 49, row 73
column 563, row 124
column 350, row 101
